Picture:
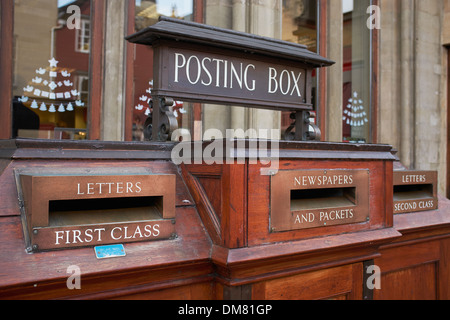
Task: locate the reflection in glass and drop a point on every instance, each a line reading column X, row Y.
column 51, row 65
column 300, row 26
column 147, row 13
column 357, row 72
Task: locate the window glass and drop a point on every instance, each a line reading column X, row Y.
column 300, row 22
column 357, row 72
column 147, row 13
column 51, row 68
column 299, row 25
column 290, row 20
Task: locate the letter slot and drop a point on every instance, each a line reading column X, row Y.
column 322, row 198
column 415, row 191
column 67, row 211
column 305, row 199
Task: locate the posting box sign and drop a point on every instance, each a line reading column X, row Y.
column 415, row 191
column 193, row 74
column 65, row 211
column 303, row 199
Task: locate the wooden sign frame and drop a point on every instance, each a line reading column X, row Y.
column 327, row 198
column 67, row 211
column 415, row 191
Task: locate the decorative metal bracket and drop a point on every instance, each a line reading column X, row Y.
column 162, row 122
column 302, row 124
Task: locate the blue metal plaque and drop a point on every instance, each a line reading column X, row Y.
column 112, row 251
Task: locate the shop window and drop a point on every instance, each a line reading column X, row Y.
column 147, row 13
column 299, row 25
column 357, row 72
column 51, row 67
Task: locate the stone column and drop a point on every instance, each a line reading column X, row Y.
column 265, row 20
column 429, row 111
column 219, row 13
column 113, row 118
column 406, row 151
column 239, row 115
column 335, row 72
column 261, row 17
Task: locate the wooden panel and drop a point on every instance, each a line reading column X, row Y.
column 405, row 256
column 212, row 187
column 444, row 270
column 235, row 206
column 416, row 283
column 204, row 206
column 410, row 271
column 333, row 283
column 222, row 207
column 199, row 291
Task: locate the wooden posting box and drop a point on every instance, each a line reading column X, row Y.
column 319, row 189
column 415, row 191
column 65, row 211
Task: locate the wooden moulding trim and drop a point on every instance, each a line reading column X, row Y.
column 194, row 272
column 223, row 275
column 41, row 149
column 142, row 289
column 260, row 255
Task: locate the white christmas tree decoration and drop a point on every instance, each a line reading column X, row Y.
column 147, row 99
column 354, row 113
column 56, row 90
